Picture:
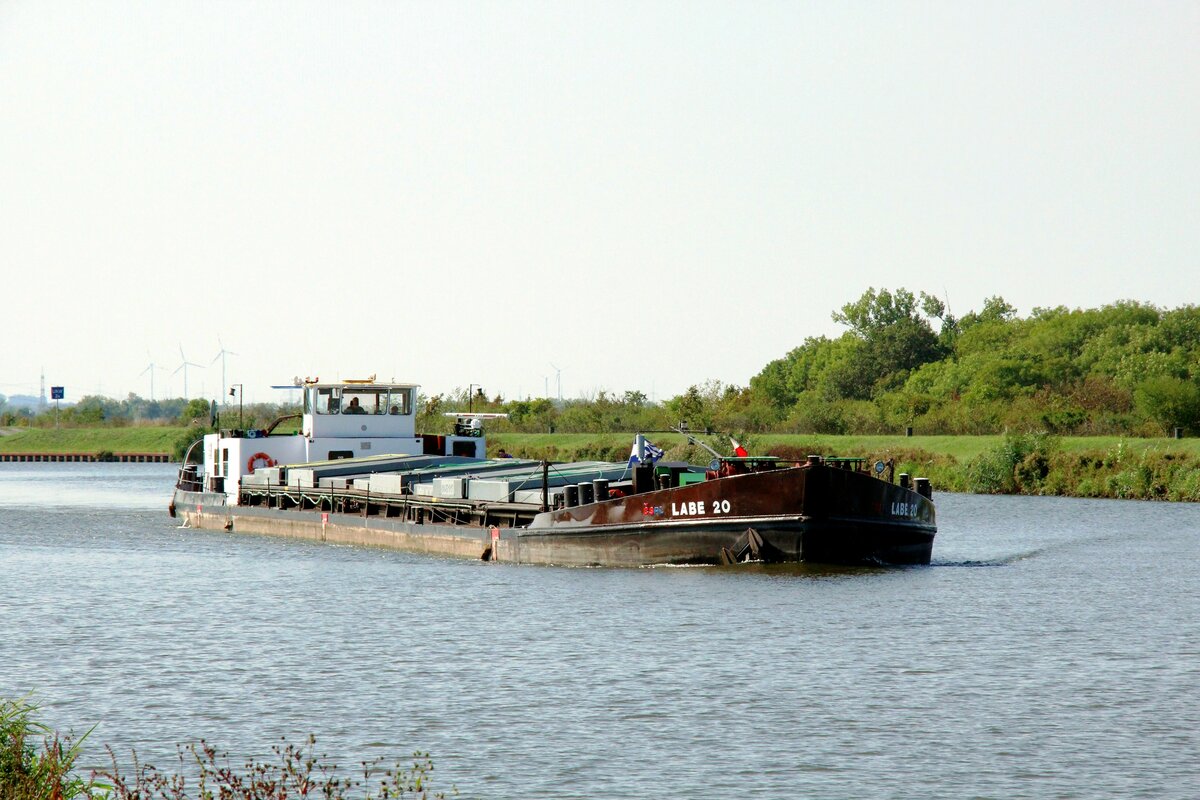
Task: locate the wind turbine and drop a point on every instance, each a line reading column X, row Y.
column 558, row 376
column 221, row 355
column 183, row 366
column 150, row 369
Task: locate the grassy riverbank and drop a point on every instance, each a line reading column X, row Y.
column 140, row 439
column 1085, row 466
column 960, row 448
column 1032, row 464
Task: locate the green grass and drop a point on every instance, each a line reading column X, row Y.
column 91, row 440
column 960, row 448
column 572, row 446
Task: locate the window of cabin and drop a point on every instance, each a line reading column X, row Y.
column 328, row 400
column 364, row 401
column 400, row 402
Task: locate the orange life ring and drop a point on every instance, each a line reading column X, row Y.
column 263, row 457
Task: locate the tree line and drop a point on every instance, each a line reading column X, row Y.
column 1123, row 369
column 100, row 411
column 904, row 361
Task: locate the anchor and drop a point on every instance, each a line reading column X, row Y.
column 746, row 547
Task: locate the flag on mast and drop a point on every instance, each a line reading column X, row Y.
column 651, row 452
column 738, row 450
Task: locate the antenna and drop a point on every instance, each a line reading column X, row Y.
column 221, row 355
column 183, row 366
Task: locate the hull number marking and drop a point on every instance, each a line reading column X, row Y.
column 696, row 508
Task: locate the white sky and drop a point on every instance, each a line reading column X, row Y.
column 648, row 195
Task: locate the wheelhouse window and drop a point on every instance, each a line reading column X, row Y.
column 400, row 402
column 326, row 400
column 358, row 400
column 364, row 401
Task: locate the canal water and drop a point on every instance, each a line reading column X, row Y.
column 1052, row 651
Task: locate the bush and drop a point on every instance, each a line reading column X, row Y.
column 1018, row 465
column 28, row 772
column 184, row 441
column 811, row 414
column 1171, row 402
column 300, row 772
column 35, row 764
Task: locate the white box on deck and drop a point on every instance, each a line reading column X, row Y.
column 480, row 489
column 386, row 484
column 449, row 487
column 423, row 489
column 270, row 475
column 302, row 477
column 334, row 483
column 534, row 496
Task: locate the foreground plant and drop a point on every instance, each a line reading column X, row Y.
column 299, row 772
column 37, row 764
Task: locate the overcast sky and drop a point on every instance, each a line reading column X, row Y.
column 646, row 195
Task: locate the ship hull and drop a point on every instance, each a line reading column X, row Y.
column 811, row 514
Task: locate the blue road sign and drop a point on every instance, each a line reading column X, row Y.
column 57, row 393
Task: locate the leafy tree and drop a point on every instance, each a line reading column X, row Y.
column 995, row 309
column 197, row 409
column 894, row 338
column 634, row 398
column 531, row 415
column 1169, row 401
column 90, row 410
column 875, row 311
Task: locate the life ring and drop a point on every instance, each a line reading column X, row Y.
column 263, row 457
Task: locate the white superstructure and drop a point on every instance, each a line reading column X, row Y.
column 340, row 420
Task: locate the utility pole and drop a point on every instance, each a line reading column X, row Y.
column 240, row 391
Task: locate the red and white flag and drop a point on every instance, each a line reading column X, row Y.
column 738, row 450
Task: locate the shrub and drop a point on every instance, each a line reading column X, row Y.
column 299, row 772
column 28, row 772
column 35, row 763
column 182, row 442
column 1019, row 464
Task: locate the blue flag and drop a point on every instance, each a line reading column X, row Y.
column 653, row 453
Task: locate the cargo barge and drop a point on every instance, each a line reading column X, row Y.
column 358, row 473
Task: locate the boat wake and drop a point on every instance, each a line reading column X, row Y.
column 998, row 561
column 1002, row 562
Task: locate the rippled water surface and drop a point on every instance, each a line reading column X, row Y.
column 1053, row 650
